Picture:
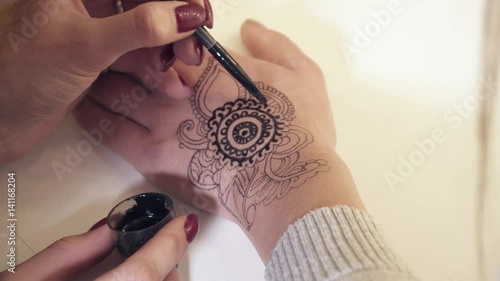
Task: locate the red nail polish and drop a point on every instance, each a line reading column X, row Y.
column 198, row 48
column 189, row 17
column 98, row 224
column 183, row 81
column 209, row 19
column 191, row 227
column 167, row 57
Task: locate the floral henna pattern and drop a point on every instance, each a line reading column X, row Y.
column 255, row 143
column 243, row 132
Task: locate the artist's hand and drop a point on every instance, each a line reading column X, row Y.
column 52, row 51
column 263, row 167
column 71, row 256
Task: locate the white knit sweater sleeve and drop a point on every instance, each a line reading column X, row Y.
column 335, row 243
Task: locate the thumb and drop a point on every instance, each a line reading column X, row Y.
column 159, row 256
column 147, row 25
column 66, row 257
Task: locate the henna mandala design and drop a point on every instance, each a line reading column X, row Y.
column 243, row 132
column 255, row 143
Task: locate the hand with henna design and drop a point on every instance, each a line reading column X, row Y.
column 261, row 166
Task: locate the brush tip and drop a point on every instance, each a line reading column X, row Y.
column 259, row 96
column 262, row 99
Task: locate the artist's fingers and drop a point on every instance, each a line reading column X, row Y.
column 150, row 65
column 147, row 65
column 107, row 8
column 154, row 74
column 141, row 63
column 159, row 256
column 66, row 257
column 191, row 74
column 189, row 50
column 148, row 25
column 209, row 18
column 274, row 47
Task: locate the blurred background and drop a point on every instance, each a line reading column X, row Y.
column 404, row 79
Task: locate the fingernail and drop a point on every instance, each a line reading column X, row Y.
column 98, row 224
column 209, row 19
column 167, row 57
column 189, row 17
column 198, row 48
column 183, row 82
column 191, row 227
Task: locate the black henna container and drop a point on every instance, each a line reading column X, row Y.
column 136, row 219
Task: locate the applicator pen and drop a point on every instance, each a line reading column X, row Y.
column 228, row 62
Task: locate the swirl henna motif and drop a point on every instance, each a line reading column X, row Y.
column 254, row 143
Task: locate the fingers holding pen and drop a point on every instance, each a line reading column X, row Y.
column 190, row 51
column 147, row 26
column 157, row 60
column 152, row 68
column 209, row 19
column 102, row 9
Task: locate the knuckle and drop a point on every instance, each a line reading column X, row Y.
column 146, row 25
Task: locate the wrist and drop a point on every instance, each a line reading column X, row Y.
column 335, row 187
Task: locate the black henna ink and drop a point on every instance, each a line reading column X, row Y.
column 255, row 143
column 243, row 132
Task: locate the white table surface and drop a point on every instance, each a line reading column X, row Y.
column 393, row 92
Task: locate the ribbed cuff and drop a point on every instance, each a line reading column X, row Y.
column 334, row 243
